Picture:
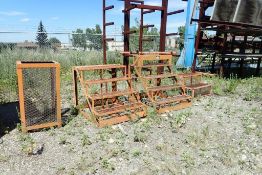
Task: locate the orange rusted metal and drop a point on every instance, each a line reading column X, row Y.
column 109, row 94
column 195, row 85
column 39, row 94
column 170, row 93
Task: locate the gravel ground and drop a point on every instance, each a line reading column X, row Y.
column 217, row 135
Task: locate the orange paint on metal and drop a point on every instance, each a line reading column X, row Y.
column 29, row 102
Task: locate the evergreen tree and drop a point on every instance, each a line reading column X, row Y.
column 41, row 37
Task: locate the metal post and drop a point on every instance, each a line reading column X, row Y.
column 126, row 30
column 213, row 62
column 105, row 24
column 232, row 51
column 141, row 30
column 162, row 46
column 223, row 55
column 104, row 32
column 259, row 60
column 201, row 15
column 242, row 50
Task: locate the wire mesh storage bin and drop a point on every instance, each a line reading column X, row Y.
column 39, row 94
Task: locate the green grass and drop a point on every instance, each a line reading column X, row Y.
column 249, row 88
column 67, row 59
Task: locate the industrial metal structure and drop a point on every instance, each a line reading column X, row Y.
column 39, row 94
column 109, row 93
column 130, row 5
column 108, row 89
column 237, row 41
column 105, row 24
column 187, row 54
column 169, row 93
column 194, row 84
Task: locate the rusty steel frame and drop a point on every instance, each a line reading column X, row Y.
column 105, row 24
column 106, row 108
column 145, row 9
column 167, row 103
column 234, row 29
column 196, row 83
column 39, row 65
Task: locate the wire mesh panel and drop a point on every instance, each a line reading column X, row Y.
column 39, row 94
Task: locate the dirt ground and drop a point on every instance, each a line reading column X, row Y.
column 217, row 135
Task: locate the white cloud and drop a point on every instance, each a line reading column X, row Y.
column 12, row 13
column 55, row 18
column 24, row 20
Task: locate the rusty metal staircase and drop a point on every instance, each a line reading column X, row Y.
column 166, row 90
column 195, row 85
column 109, row 94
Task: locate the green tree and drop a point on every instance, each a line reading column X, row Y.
column 153, row 34
column 54, row 40
column 94, row 38
column 41, row 37
column 54, row 43
column 181, row 31
column 79, row 39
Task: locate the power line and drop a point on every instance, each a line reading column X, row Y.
column 66, row 33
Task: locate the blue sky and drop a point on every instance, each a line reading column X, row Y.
column 67, row 15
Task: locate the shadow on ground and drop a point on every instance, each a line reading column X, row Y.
column 8, row 117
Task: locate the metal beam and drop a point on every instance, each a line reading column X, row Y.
column 172, row 34
column 175, row 12
column 212, row 22
column 109, row 7
column 148, row 11
column 148, row 26
column 141, row 32
column 164, row 8
column 105, row 24
column 138, row 6
column 126, row 30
